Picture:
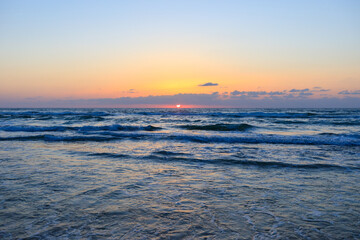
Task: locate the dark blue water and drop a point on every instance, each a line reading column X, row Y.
column 180, row 173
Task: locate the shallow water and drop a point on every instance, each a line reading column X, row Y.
column 180, row 174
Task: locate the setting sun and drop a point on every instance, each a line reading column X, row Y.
column 178, row 106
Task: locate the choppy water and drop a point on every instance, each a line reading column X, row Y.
column 180, row 173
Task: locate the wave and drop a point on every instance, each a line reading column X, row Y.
column 290, row 165
column 274, row 115
column 218, row 127
column 82, row 114
column 272, row 139
column 53, row 138
column 337, row 140
column 340, row 135
column 263, row 164
column 84, row 118
column 53, row 113
column 115, row 127
column 169, row 153
column 348, row 122
column 108, row 155
column 286, row 122
column 34, row 128
column 285, row 115
column 184, row 157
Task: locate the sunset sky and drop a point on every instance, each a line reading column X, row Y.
column 197, row 53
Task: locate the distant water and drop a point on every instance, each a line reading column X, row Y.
column 180, row 173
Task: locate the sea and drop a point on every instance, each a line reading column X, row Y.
column 179, row 173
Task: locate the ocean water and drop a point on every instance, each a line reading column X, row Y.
column 179, row 173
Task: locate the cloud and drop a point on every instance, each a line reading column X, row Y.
column 303, row 94
column 346, row 92
column 206, row 100
column 276, row 93
column 285, row 94
column 319, row 89
column 235, row 93
column 209, row 84
column 256, row 94
column 294, row 98
column 299, row 90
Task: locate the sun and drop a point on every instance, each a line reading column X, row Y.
column 178, row 106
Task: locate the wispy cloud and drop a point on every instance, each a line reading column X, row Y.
column 208, row 84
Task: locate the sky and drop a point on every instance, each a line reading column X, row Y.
column 197, row 53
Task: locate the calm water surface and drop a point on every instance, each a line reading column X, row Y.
column 180, row 173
